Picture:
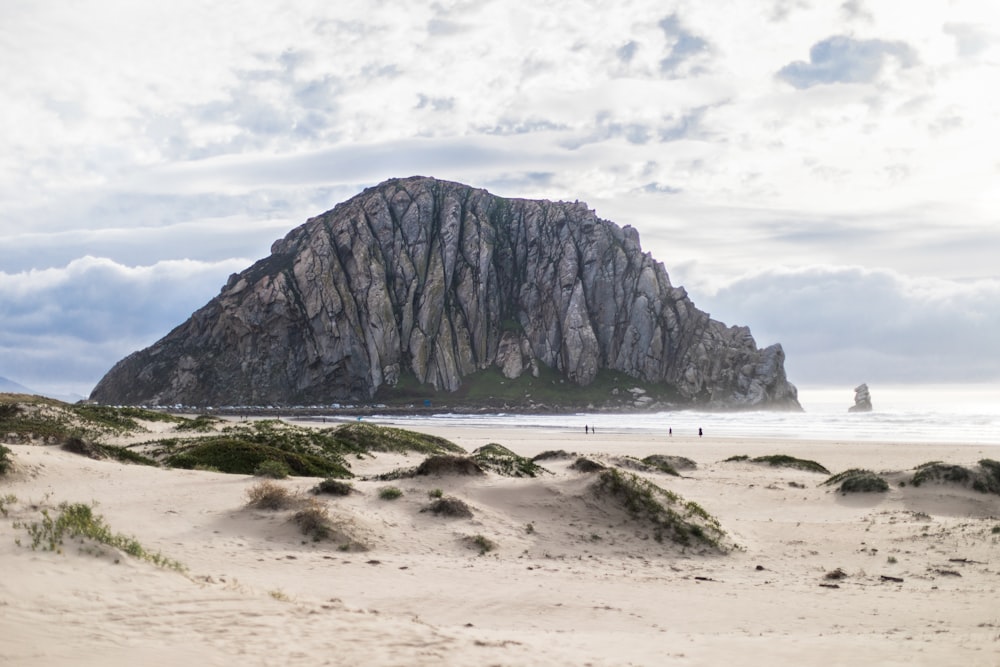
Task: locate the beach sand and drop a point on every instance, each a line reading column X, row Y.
column 571, row 581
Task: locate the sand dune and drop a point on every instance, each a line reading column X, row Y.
column 574, row 579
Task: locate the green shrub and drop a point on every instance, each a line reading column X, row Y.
column 314, row 520
column 389, row 493
column 857, row 480
column 503, row 461
column 481, row 542
column 333, row 487
column 984, row 478
column 450, row 507
column 667, row 513
column 785, row 461
column 240, row 457
column 79, row 521
column 6, row 460
column 444, row 464
column 200, row 424
column 6, row 501
column 936, row 471
column 435, row 493
column 273, row 469
column 583, row 464
column 365, row 437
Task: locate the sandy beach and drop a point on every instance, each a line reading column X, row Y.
column 907, row 577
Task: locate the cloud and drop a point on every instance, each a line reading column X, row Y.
column 687, row 52
column 970, row 40
column 850, row 325
column 64, row 328
column 842, row 59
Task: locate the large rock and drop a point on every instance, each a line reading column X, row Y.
column 438, row 280
column 862, row 399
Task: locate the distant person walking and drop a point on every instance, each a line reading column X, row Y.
column 670, row 431
column 699, row 431
column 586, row 429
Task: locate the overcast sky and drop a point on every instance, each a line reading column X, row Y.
column 824, row 172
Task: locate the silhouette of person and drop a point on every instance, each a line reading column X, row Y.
column 586, row 429
column 699, row 431
column 670, row 431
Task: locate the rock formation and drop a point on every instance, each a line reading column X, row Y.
column 862, row 399
column 431, row 281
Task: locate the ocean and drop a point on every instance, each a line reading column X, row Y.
column 938, row 413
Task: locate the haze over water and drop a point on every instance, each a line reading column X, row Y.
column 932, row 413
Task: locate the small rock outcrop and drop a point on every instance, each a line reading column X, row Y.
column 428, row 282
column 862, row 399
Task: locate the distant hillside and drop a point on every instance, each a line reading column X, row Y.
column 11, row 387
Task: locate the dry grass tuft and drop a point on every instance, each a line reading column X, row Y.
column 268, row 495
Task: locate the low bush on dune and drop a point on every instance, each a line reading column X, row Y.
column 6, row 460
column 449, row 506
column 333, row 487
column 364, row 437
column 984, row 478
column 671, row 517
column 668, row 465
column 583, row 464
column 449, row 465
column 96, row 450
column 273, row 469
column 268, row 495
column 200, row 424
column 240, row 457
column 553, row 454
column 672, row 461
column 857, row 480
column 314, row 521
column 78, row 521
column 781, row 461
column 481, row 543
column 502, row 461
column 390, row 493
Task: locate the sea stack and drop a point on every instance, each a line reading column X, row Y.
column 426, row 283
column 862, row 399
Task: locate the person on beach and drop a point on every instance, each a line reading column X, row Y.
column 699, row 431
column 670, row 431
column 586, row 429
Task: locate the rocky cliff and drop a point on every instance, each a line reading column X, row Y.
column 430, row 281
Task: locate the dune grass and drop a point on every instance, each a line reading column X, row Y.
column 78, row 521
column 502, row 461
column 672, row 518
column 858, row 480
column 6, row 460
column 781, row 461
column 984, row 477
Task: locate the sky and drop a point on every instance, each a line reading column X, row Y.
column 823, row 172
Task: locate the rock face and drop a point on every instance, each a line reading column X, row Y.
column 430, row 280
column 862, row 399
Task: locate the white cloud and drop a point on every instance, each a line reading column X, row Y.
column 65, row 327
column 144, row 133
column 843, row 324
